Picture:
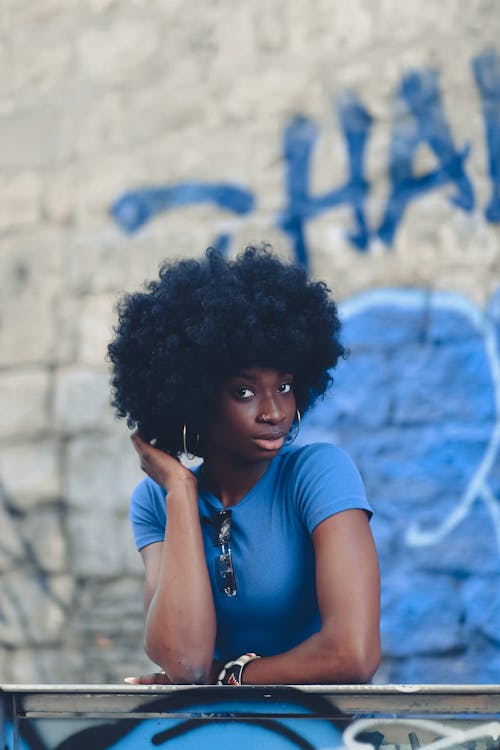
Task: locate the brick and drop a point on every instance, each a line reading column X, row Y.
column 97, row 261
column 116, row 608
column 82, row 401
column 30, row 615
column 20, row 200
column 27, row 337
column 5, row 665
column 95, row 545
column 66, row 312
column 430, row 599
column 63, row 588
column 44, row 533
column 101, row 472
column 32, row 262
column 46, row 75
column 102, row 177
column 31, row 272
column 38, row 137
column 96, row 321
column 110, row 660
column 49, row 666
column 482, row 602
column 30, row 473
column 24, row 12
column 59, row 195
column 24, row 403
column 117, row 53
column 11, row 549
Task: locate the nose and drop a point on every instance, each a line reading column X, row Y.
column 271, row 411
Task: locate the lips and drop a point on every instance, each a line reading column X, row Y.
column 270, row 442
column 270, row 436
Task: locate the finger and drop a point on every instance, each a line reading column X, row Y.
column 138, row 443
column 136, row 438
column 155, row 678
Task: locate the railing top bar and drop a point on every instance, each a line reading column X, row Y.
column 420, row 689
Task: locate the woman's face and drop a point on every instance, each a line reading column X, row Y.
column 254, row 412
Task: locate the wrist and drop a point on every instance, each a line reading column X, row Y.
column 181, row 484
column 232, row 672
column 250, row 673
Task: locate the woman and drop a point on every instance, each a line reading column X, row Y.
column 262, row 558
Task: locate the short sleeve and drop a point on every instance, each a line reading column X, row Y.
column 326, row 482
column 148, row 513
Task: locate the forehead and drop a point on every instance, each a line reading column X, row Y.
column 255, row 374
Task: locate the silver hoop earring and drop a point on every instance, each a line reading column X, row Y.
column 294, row 430
column 189, row 456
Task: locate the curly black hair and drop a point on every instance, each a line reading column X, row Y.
column 203, row 321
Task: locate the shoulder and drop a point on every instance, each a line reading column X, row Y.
column 323, row 480
column 147, row 502
column 147, row 492
column 148, row 513
column 302, row 460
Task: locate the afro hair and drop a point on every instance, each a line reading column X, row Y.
column 203, row 321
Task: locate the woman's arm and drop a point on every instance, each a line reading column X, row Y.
column 347, row 648
column 180, row 615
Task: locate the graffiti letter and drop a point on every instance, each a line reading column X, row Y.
column 136, row 207
column 419, row 93
column 486, row 69
column 299, row 140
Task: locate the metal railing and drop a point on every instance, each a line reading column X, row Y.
column 115, row 717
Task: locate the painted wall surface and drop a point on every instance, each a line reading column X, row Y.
column 362, row 140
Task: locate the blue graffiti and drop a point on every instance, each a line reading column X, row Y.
column 486, row 69
column 419, row 96
column 135, row 208
column 419, row 92
column 299, row 141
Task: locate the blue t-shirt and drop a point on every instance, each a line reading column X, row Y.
column 275, row 607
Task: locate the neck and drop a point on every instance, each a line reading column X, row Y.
column 230, row 479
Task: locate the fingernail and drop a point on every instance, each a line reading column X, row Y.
column 130, row 680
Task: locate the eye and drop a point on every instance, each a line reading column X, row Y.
column 243, row 393
column 285, row 388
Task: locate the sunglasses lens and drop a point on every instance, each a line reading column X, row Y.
column 227, row 582
column 225, row 530
column 224, row 563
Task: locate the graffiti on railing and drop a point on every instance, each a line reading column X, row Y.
column 249, row 725
column 301, row 721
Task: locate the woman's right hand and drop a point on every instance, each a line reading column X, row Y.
column 154, row 678
column 164, row 469
column 160, row 678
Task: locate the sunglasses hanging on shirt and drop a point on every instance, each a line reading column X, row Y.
column 224, row 571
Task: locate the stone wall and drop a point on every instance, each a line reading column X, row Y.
column 361, row 139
